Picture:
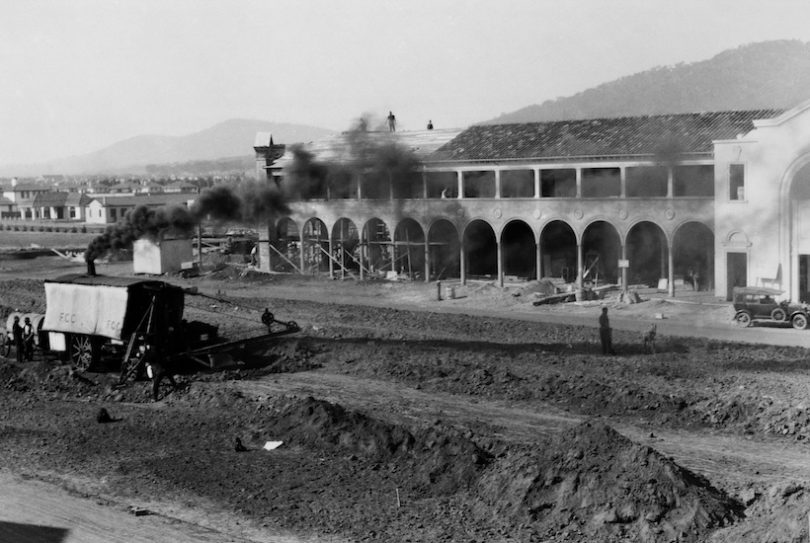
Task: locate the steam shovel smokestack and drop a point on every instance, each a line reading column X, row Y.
column 91, row 267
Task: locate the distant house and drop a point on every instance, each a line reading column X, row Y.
column 7, row 208
column 124, row 188
column 49, row 205
column 76, row 206
column 54, row 205
column 22, row 196
column 110, row 209
column 180, row 187
column 151, row 188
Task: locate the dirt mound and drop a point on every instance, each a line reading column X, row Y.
column 441, row 459
column 593, row 481
column 317, row 423
column 777, row 514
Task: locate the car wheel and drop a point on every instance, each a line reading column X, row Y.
column 799, row 321
column 778, row 314
column 743, row 319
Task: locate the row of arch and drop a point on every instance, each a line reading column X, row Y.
column 443, row 252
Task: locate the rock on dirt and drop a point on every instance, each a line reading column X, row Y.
column 593, row 480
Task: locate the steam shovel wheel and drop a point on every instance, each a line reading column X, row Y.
column 83, row 352
column 799, row 321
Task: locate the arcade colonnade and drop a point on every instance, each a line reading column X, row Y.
column 604, row 250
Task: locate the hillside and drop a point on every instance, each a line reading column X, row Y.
column 774, row 74
column 227, row 139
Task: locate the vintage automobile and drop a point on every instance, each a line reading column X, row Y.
column 761, row 304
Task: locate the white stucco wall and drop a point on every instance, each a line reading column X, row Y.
column 760, row 225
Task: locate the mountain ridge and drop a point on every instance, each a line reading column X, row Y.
column 764, row 75
column 229, row 138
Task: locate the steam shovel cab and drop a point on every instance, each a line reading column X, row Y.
column 760, row 304
column 88, row 313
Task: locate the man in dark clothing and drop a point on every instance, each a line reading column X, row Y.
column 605, row 333
column 28, row 339
column 17, row 334
column 392, row 122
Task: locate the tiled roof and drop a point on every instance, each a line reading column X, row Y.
column 5, row 201
column 622, row 136
column 50, row 199
column 77, row 199
column 30, row 187
column 336, row 148
column 181, row 185
column 158, row 199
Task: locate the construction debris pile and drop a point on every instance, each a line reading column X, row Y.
column 593, row 482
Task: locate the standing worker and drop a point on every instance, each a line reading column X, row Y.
column 17, row 334
column 28, row 339
column 392, row 122
column 253, row 260
column 605, row 333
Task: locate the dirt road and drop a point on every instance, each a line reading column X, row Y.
column 33, row 511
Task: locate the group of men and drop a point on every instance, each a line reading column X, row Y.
column 23, row 336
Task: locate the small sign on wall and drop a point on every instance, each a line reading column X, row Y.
column 624, row 263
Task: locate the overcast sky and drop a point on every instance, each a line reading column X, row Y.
column 78, row 75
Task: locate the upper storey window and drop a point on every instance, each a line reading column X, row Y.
column 693, row 180
column 736, row 181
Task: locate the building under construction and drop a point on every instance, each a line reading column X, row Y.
column 713, row 199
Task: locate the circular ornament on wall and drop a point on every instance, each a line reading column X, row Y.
column 578, row 213
column 460, row 212
column 670, row 213
column 622, row 214
column 496, row 213
column 537, row 214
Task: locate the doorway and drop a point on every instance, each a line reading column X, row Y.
column 737, row 272
column 804, row 278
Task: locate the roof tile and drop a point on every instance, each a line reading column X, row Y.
column 647, row 135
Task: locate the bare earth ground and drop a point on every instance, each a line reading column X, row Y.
column 482, row 418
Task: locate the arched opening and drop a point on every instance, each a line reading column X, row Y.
column 286, row 256
column 647, row 254
column 315, row 247
column 480, row 249
column 377, row 247
column 601, row 250
column 558, row 250
column 444, row 250
column 346, row 246
column 409, row 249
column 693, row 255
column 519, row 250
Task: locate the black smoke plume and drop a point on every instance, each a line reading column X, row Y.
column 246, row 202
column 142, row 221
column 375, row 157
